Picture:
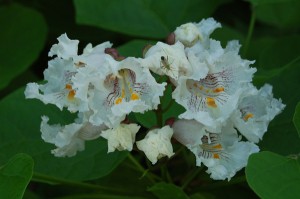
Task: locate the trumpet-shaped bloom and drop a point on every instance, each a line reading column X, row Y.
column 70, row 138
column 157, row 144
column 169, row 60
column 223, row 153
column 212, row 99
column 116, row 89
column 255, row 110
column 121, row 137
column 191, row 33
column 59, row 89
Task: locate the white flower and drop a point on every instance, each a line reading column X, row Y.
column 65, row 49
column 190, row 33
column 70, row 138
column 157, row 144
column 223, row 153
column 256, row 109
column 121, row 137
column 169, row 60
column 212, row 99
column 58, row 89
column 116, row 89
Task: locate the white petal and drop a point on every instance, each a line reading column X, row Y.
column 65, row 48
column 223, row 153
column 70, row 138
column 157, row 144
column 121, row 138
column 169, row 60
column 256, row 109
column 188, row 34
column 212, row 99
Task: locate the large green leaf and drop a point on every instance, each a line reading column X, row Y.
column 279, row 65
column 167, row 191
column 296, row 118
column 15, row 176
column 134, row 48
column 279, row 13
column 20, row 132
column 273, row 176
column 22, row 37
column 147, row 18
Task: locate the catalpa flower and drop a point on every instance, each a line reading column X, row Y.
column 157, row 144
column 121, row 137
column 223, row 153
column 58, row 89
column 70, row 138
column 115, row 89
column 255, row 110
column 212, row 99
column 191, row 33
column 165, row 59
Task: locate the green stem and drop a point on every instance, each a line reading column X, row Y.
column 159, row 116
column 165, row 173
column 140, row 168
column 250, row 31
column 191, row 177
column 37, row 177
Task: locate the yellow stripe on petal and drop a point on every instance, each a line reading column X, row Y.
column 71, row 95
column 216, row 156
column 218, row 146
column 211, row 102
column 219, row 89
column 134, row 96
column 248, row 116
column 118, row 101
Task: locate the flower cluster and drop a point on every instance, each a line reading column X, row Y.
column 212, row 83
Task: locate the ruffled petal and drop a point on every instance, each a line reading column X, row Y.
column 121, row 137
column 255, row 110
column 157, row 144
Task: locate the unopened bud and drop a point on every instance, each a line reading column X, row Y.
column 170, row 39
column 112, row 52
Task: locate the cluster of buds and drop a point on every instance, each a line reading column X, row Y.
column 225, row 115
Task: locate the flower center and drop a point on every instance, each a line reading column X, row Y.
column 123, row 86
column 211, row 147
column 247, row 113
column 208, row 92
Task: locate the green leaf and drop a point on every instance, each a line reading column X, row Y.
column 167, row 191
column 262, row 2
column 296, row 118
column 147, row 119
column 147, row 18
column 15, row 176
column 226, row 34
column 279, row 13
column 22, row 37
column 134, row 48
column 273, row 176
column 280, row 67
column 127, row 177
column 133, row 18
column 20, row 132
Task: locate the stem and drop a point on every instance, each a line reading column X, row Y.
column 159, row 115
column 250, row 31
column 139, row 167
column 37, row 177
column 166, row 174
column 191, row 177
